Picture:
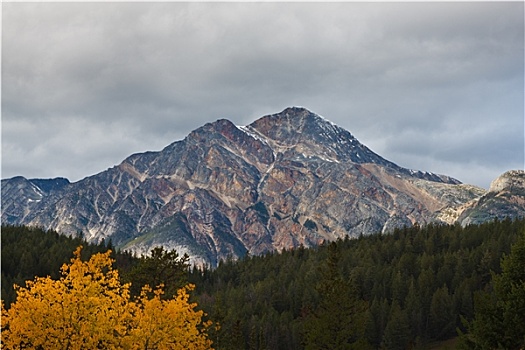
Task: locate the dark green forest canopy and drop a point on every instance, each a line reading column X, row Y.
column 416, row 285
column 28, row 252
column 393, row 291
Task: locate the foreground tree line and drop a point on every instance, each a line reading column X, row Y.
column 396, row 291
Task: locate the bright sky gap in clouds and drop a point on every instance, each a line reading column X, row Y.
column 430, row 86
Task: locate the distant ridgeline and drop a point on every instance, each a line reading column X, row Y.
column 395, row 291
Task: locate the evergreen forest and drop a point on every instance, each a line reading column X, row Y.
column 29, row 252
column 404, row 290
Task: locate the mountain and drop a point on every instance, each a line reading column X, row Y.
column 505, row 198
column 287, row 179
column 21, row 196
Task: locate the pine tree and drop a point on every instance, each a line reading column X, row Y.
column 160, row 267
column 397, row 331
column 339, row 320
column 499, row 321
column 442, row 314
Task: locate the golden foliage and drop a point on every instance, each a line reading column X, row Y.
column 89, row 308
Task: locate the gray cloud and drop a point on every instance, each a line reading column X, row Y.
column 430, row 86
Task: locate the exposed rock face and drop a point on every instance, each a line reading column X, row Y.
column 508, row 182
column 505, row 198
column 21, row 196
column 287, row 179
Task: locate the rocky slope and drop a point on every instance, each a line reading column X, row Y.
column 20, row 196
column 286, row 179
column 505, row 198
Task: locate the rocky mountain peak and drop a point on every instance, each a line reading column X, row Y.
column 508, row 180
column 505, row 198
column 298, row 131
column 295, row 124
column 221, row 127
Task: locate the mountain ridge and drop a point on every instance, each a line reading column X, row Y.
column 286, row 179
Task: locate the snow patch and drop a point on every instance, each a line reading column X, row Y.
column 250, row 133
column 37, row 190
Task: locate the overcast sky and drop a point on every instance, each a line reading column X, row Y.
column 430, row 86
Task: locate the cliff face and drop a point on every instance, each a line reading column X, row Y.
column 287, row 179
column 505, row 198
column 20, row 197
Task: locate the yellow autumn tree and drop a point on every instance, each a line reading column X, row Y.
column 89, row 308
column 166, row 324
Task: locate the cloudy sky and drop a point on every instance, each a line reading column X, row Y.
column 430, row 86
